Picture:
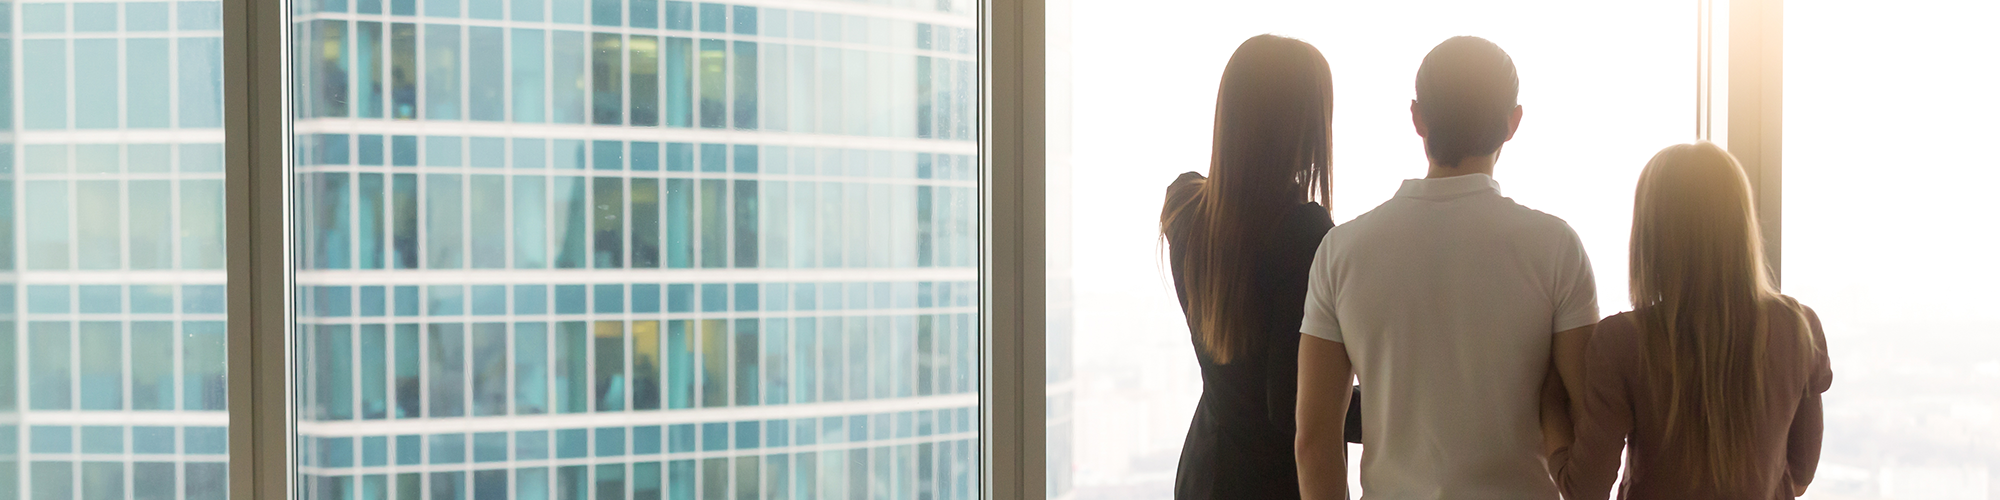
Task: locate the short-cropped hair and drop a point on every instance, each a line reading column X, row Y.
column 1466, row 91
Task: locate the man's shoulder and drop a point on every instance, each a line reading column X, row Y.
column 1375, row 219
column 1503, row 215
column 1520, row 220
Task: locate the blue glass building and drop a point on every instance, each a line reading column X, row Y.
column 546, row 249
column 637, row 249
column 112, row 314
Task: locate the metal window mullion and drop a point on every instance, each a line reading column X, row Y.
column 257, row 132
column 1011, row 249
column 1740, row 103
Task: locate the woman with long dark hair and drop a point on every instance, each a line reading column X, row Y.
column 1714, row 378
column 1241, row 241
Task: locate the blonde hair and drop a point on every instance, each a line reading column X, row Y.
column 1701, row 292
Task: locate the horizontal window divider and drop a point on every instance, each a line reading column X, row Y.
column 954, row 22
column 120, row 277
column 498, row 423
column 337, row 277
column 469, row 128
column 119, row 418
column 767, row 314
column 624, row 174
column 630, row 458
column 116, row 136
column 957, row 20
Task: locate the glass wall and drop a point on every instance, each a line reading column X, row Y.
column 1599, row 97
column 1889, row 236
column 112, row 320
column 636, row 249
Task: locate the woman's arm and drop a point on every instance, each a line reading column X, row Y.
column 1803, row 444
column 1325, row 379
column 1809, row 421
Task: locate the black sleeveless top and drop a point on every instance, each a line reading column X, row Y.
column 1239, row 445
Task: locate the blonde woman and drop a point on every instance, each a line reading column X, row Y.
column 1714, row 379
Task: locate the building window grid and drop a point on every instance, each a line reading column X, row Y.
column 945, row 35
column 947, row 474
column 312, row 448
column 180, row 183
column 176, row 31
column 949, row 80
column 197, row 473
column 424, row 473
column 125, row 329
column 946, row 357
column 944, row 219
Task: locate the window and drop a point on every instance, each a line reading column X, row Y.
column 1593, row 114
column 1887, row 235
column 629, row 259
column 112, row 311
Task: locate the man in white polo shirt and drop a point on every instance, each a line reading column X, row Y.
column 1445, row 302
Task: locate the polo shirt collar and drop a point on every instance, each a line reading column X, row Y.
column 1448, row 187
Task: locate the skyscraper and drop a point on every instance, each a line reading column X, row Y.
column 112, row 276
column 546, row 249
column 635, row 249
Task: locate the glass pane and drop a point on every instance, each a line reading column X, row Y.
column 112, row 320
column 1594, row 113
column 623, row 249
column 1915, row 352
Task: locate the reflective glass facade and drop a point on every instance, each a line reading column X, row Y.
column 635, row 249
column 112, row 311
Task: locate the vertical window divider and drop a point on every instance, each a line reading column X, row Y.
column 1756, row 113
column 257, row 130
column 1013, row 247
column 1740, row 102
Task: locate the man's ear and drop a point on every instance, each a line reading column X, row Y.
column 1514, row 122
column 1424, row 131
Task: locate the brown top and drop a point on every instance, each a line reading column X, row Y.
column 1621, row 404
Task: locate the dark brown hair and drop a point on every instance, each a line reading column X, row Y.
column 1466, row 92
column 1273, row 142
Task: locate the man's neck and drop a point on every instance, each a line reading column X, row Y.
column 1467, row 166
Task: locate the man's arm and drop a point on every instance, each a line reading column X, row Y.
column 1566, row 352
column 1325, row 382
column 1562, row 391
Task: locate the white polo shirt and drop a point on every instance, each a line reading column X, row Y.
column 1447, row 297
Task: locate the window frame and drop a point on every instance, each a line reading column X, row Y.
column 1013, row 240
column 258, row 131
column 1740, row 104
column 1739, row 42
